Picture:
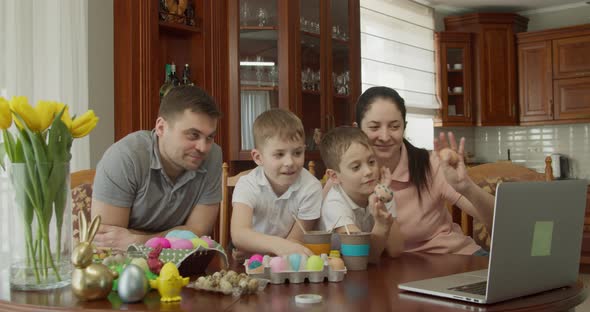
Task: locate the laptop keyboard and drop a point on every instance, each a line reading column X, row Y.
column 476, row 288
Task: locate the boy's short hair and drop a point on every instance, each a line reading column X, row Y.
column 181, row 98
column 337, row 141
column 277, row 122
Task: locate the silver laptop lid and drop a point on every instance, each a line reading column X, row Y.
column 536, row 237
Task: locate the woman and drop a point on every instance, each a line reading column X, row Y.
column 422, row 182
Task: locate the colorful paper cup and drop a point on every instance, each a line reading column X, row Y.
column 318, row 242
column 354, row 248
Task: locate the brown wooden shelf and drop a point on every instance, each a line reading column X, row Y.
column 311, row 92
column 454, row 70
column 455, row 94
column 259, row 88
column 179, row 28
column 341, row 96
column 254, row 28
column 345, row 42
column 309, row 33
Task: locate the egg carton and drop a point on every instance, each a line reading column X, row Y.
column 297, row 277
column 189, row 262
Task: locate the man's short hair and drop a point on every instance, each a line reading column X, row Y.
column 193, row 98
column 337, row 141
column 277, row 123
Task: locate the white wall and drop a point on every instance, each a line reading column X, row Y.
column 561, row 18
column 100, row 76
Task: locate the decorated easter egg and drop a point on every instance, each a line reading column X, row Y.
column 266, row 260
column 256, row 257
column 199, row 242
column 254, row 264
column 181, row 244
column 314, row 263
column 172, row 239
column 184, row 234
column 295, row 261
column 141, row 262
column 336, row 264
column 277, row 264
column 133, row 285
column 155, row 241
column 383, row 192
column 209, row 241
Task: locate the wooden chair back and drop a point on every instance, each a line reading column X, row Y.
column 82, row 177
column 488, row 176
column 81, row 192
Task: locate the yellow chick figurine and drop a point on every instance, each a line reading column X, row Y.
column 169, row 283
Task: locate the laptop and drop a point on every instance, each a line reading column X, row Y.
column 535, row 247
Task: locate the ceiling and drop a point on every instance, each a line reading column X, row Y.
column 502, row 5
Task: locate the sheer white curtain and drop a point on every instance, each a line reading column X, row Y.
column 253, row 104
column 397, row 50
column 44, row 55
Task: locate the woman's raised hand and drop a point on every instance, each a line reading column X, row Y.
column 452, row 160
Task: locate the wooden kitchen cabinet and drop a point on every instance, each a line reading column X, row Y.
column 301, row 55
column 534, row 76
column 494, row 64
column 454, row 79
column 554, row 75
column 571, row 57
column 144, row 43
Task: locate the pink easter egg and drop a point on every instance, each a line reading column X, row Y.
column 181, row 244
column 255, row 257
column 172, row 239
column 155, row 241
column 209, row 241
column 278, row 264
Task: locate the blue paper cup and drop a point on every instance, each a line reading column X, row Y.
column 355, row 248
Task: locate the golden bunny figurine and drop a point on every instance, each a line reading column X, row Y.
column 90, row 281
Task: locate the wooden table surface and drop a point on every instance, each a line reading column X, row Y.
column 371, row 290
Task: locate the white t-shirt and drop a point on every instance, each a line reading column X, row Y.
column 338, row 205
column 272, row 215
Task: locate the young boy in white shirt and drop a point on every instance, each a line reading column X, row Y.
column 266, row 200
column 351, row 203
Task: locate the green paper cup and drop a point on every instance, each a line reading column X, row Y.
column 355, row 248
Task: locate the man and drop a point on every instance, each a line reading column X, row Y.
column 152, row 182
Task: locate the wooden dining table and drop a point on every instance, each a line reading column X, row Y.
column 375, row 289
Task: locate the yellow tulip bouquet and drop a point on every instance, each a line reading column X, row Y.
column 39, row 155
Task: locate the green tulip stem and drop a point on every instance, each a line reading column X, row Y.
column 30, row 253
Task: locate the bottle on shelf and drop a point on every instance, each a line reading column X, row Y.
column 167, row 85
column 186, row 76
column 173, row 77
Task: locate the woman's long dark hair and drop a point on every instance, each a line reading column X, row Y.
column 418, row 158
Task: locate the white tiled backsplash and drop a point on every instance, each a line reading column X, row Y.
column 529, row 145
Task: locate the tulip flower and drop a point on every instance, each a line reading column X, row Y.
column 45, row 112
column 5, row 114
column 82, row 125
column 66, row 115
column 40, row 153
column 20, row 105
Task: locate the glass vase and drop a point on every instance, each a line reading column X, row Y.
column 40, row 225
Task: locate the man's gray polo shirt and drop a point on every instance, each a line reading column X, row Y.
column 130, row 175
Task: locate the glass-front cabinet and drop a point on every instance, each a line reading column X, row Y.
column 300, row 55
column 454, row 79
